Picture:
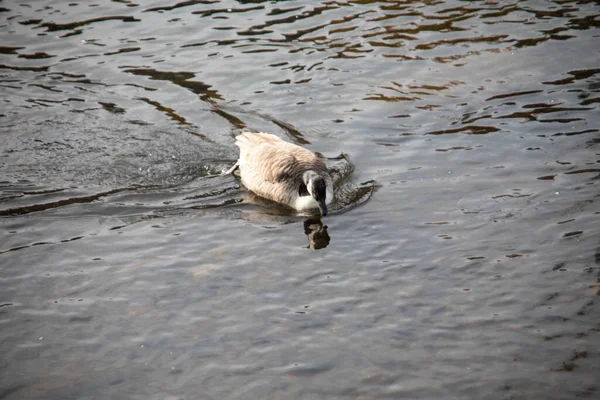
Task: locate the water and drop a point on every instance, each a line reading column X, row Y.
column 462, row 259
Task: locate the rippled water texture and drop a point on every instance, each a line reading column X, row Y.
column 462, row 259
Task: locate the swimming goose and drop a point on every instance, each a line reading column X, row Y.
column 283, row 172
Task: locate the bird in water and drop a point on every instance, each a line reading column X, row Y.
column 283, row 172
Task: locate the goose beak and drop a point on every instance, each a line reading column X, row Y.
column 322, row 207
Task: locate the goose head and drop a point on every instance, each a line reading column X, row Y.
column 317, row 188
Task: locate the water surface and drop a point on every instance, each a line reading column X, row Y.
column 462, row 259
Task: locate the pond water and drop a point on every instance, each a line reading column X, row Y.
column 462, row 259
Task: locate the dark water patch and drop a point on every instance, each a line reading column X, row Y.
column 208, row 13
column 507, row 95
column 180, row 79
column 583, row 171
column 61, row 203
column 54, row 27
column 112, row 108
column 576, row 132
column 123, row 50
column 590, row 101
column 566, row 221
column 37, row 55
column 451, row 42
column 49, row 88
column 470, row 130
column 168, row 111
column 10, row 50
column 73, row 33
column 181, row 4
column 576, row 75
column 18, row 68
column 574, row 233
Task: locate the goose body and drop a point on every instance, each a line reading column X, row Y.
column 283, row 172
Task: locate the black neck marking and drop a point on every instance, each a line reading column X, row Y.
column 302, row 190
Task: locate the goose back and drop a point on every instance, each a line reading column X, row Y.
column 273, row 168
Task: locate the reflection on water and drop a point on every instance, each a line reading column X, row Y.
column 318, row 238
column 463, row 257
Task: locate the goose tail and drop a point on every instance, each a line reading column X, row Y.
column 233, row 168
column 244, row 140
column 248, row 140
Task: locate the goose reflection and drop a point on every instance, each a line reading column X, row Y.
column 315, row 231
column 318, row 238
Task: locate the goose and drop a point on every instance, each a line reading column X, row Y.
column 283, row 172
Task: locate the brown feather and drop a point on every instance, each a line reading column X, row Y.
column 273, row 168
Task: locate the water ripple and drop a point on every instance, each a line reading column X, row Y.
column 461, row 257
